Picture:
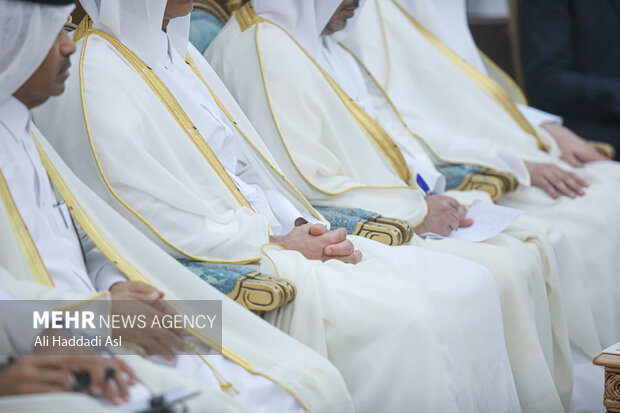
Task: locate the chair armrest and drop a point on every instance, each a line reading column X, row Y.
column 604, row 149
column 464, row 177
column 255, row 291
column 390, row 231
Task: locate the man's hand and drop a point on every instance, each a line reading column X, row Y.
column 556, row 181
column 132, row 299
column 575, row 150
column 35, row 374
column 48, row 374
column 445, row 214
column 135, row 290
column 315, row 242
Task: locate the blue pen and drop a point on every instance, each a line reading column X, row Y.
column 422, row 184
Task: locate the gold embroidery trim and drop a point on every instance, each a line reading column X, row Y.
column 373, row 130
column 192, row 65
column 85, row 25
column 24, row 240
column 482, row 80
column 370, row 127
column 247, row 17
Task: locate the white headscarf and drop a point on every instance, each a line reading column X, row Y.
column 27, row 32
column 137, row 23
column 305, row 20
column 447, row 20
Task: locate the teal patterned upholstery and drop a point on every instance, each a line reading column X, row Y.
column 224, row 277
column 390, row 231
column 456, row 174
column 204, row 27
column 352, row 212
column 347, row 218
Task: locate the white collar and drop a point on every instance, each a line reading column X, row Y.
column 15, row 116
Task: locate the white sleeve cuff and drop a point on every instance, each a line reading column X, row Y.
column 537, row 117
column 436, row 181
column 285, row 211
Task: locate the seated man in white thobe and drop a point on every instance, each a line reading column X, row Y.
column 263, row 369
column 157, row 135
column 469, row 112
column 341, row 141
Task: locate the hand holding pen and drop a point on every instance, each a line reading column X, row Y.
column 97, row 375
column 445, row 214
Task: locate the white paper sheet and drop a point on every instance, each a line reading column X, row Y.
column 615, row 349
column 489, row 221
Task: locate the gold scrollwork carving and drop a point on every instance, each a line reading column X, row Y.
column 612, row 390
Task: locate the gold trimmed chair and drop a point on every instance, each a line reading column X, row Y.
column 463, row 177
column 208, row 18
column 389, row 231
column 253, row 290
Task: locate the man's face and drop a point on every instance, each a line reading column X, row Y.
column 178, row 8
column 49, row 79
column 345, row 11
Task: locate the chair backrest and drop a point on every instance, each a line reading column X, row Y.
column 515, row 42
column 208, row 18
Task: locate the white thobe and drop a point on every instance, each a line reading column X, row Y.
column 74, row 266
column 207, row 117
column 51, row 227
column 343, row 68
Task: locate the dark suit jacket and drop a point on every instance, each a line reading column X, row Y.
column 571, row 59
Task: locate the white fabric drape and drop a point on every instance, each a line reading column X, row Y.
column 27, row 31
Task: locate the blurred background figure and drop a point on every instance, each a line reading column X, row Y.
column 571, row 63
